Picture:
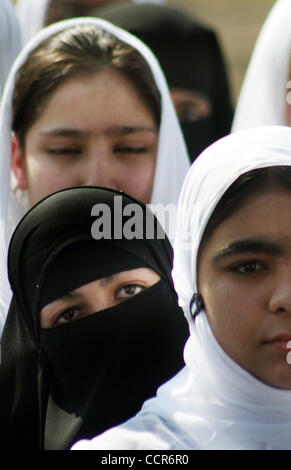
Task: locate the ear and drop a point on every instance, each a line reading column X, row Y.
column 18, row 163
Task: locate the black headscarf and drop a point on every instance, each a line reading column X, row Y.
column 191, row 57
column 77, row 380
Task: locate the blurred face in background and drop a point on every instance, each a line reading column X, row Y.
column 62, row 9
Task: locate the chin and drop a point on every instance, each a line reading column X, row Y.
column 280, row 378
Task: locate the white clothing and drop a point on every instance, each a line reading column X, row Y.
column 172, row 158
column 212, row 403
column 263, row 96
column 10, row 39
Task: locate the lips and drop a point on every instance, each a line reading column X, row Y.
column 281, row 342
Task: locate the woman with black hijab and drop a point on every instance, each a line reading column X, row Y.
column 191, row 57
column 94, row 326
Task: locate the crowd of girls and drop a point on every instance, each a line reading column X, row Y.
column 177, row 340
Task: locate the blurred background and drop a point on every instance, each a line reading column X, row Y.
column 237, row 23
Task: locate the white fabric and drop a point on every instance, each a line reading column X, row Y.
column 172, row 159
column 31, row 14
column 10, row 39
column 262, row 99
column 212, row 403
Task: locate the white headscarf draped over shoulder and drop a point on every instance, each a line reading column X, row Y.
column 263, row 96
column 212, row 403
column 172, row 158
column 10, row 39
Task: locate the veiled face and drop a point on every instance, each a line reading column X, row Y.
column 190, row 105
column 96, row 296
column 244, row 277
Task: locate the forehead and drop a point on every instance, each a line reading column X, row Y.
column 266, row 214
column 92, row 99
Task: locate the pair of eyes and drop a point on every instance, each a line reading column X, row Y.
column 78, row 309
column 78, row 150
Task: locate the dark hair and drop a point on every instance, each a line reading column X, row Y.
column 246, row 186
column 76, row 51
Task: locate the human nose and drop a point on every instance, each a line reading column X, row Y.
column 101, row 171
column 280, row 299
column 99, row 298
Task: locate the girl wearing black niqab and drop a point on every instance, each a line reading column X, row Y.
column 76, row 380
column 192, row 60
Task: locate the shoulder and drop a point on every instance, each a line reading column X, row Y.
column 139, row 433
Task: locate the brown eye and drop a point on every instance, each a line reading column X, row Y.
column 67, row 316
column 188, row 115
column 130, row 149
column 248, row 268
column 129, row 290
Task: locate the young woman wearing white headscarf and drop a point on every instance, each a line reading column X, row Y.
column 233, row 253
column 33, row 13
column 263, row 98
column 171, row 158
column 10, row 39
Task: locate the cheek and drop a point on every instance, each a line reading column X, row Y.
column 235, row 312
column 137, row 180
column 45, row 177
column 220, row 301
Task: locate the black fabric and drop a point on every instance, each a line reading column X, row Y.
column 85, row 261
column 191, row 57
column 77, row 380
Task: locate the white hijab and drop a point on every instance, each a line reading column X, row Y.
column 10, row 39
column 212, row 403
column 263, row 96
column 32, row 15
column 172, row 159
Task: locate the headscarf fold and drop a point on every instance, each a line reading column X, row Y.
column 86, row 376
column 172, row 158
column 10, row 39
column 212, row 403
column 31, row 16
column 263, row 97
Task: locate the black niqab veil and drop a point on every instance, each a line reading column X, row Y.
column 75, row 381
column 191, row 57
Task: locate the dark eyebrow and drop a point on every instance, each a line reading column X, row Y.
column 249, row 245
column 64, row 133
column 126, row 130
column 108, row 279
column 112, row 131
column 67, row 297
column 73, row 295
